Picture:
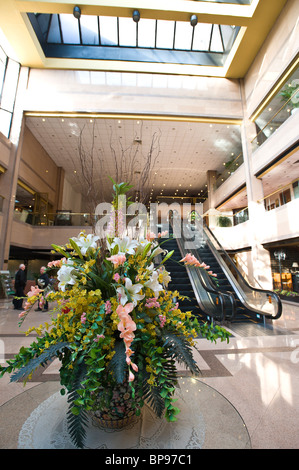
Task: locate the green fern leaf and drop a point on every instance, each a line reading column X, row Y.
column 77, row 417
column 118, row 364
column 37, row 361
column 178, row 348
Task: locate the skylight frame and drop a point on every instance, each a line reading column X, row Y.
column 157, row 49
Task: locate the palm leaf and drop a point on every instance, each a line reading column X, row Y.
column 77, row 417
column 178, row 348
column 40, row 360
column 152, row 396
column 118, row 363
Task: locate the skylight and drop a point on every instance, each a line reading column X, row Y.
column 149, row 40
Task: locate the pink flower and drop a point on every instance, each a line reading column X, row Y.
column 162, row 234
column 98, row 337
column 108, row 308
column 116, row 277
column 126, row 326
column 162, row 319
column 152, row 303
column 83, row 318
column 131, row 376
column 192, row 261
column 150, row 236
column 34, row 291
column 57, row 263
column 117, row 260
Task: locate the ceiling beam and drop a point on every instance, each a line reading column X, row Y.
column 177, row 10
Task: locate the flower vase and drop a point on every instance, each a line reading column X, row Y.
column 115, row 408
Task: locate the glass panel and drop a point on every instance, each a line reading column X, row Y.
column 146, row 33
column 165, row 33
column 5, row 120
column 43, row 21
column 108, row 31
column 70, row 29
column 284, row 104
column 183, row 35
column 296, row 189
column 127, row 32
column 227, row 35
column 216, row 43
column 201, row 39
column 54, row 31
column 3, row 58
column 10, row 85
column 89, row 29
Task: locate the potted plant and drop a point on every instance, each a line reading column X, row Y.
column 118, row 331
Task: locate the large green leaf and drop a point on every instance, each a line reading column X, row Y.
column 37, row 361
column 118, row 363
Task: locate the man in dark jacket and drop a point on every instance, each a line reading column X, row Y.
column 42, row 282
column 20, row 283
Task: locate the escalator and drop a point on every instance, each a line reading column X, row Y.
column 180, row 280
column 204, row 299
column 226, row 298
column 247, row 303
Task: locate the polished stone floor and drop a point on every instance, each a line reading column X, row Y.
column 253, row 380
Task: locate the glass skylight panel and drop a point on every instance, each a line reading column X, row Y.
column 201, row 39
column 10, row 85
column 3, row 59
column 216, row 43
column 89, row 29
column 69, row 29
column 127, row 32
column 108, row 31
column 183, row 35
column 146, row 32
column 54, row 30
column 165, row 33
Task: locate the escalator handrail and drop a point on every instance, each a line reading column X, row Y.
column 255, row 289
column 211, row 289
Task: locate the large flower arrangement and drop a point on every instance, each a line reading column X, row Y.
column 114, row 321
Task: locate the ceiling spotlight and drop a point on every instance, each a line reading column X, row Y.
column 77, row 12
column 136, row 16
column 193, row 20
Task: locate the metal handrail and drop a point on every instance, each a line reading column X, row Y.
column 264, row 291
column 195, row 275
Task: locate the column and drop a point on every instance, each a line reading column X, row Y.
column 9, row 179
column 213, row 213
column 260, row 257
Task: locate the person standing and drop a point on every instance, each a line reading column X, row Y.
column 20, row 283
column 42, row 282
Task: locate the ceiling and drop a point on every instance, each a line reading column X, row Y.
column 178, row 154
column 255, row 19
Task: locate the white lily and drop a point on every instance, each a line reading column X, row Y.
column 133, row 290
column 165, row 276
column 85, row 242
column 125, row 245
column 157, row 251
column 65, row 277
column 142, row 243
column 153, row 283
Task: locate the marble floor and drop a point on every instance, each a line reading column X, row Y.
column 255, row 377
